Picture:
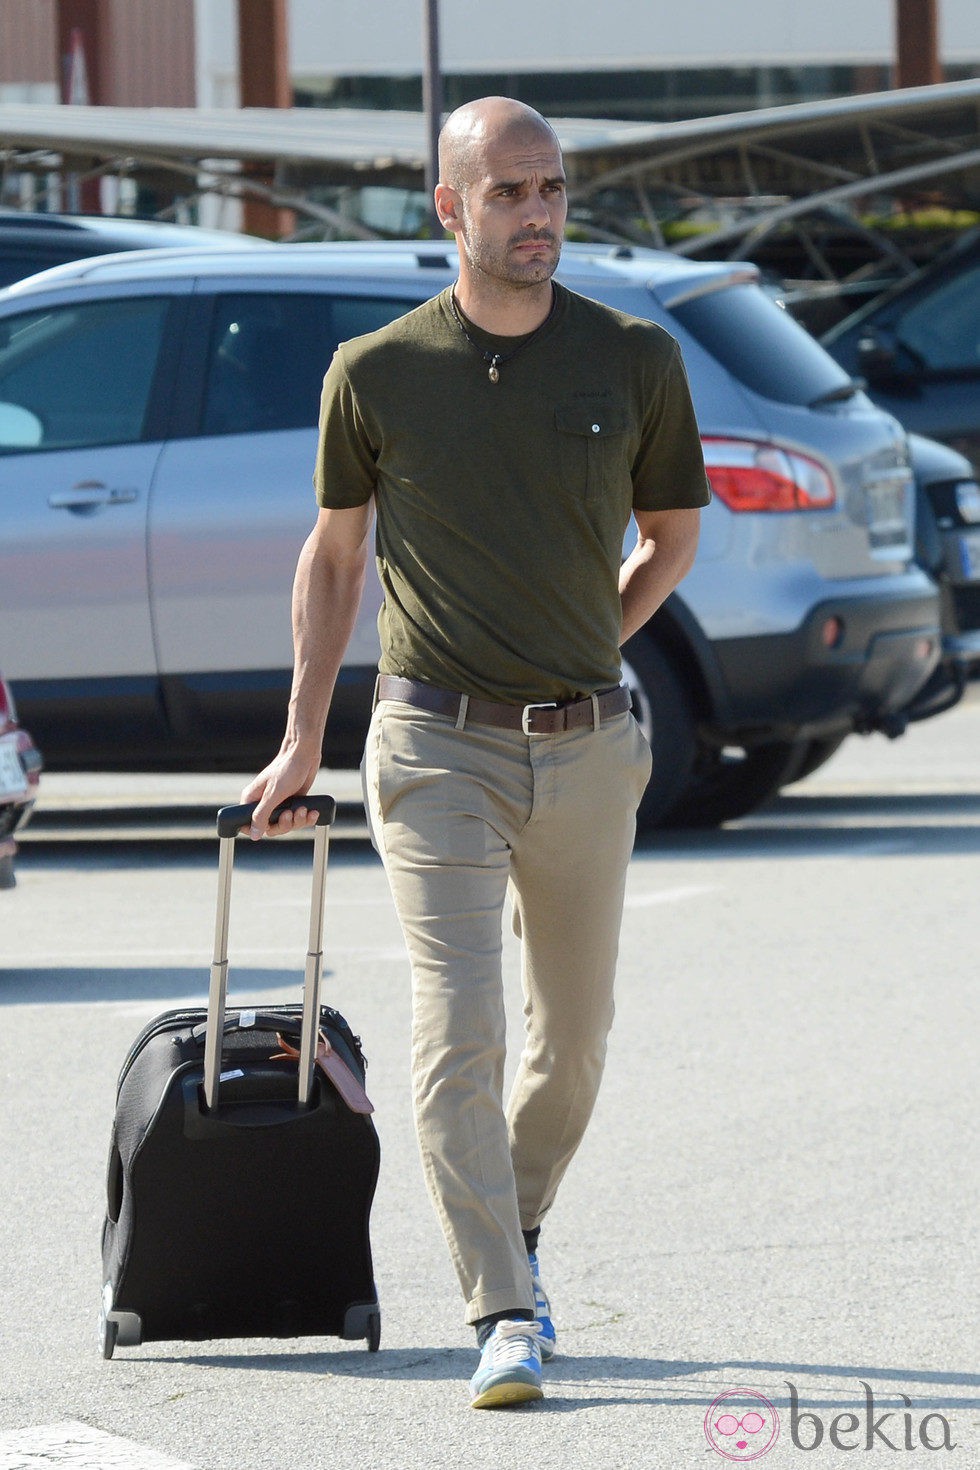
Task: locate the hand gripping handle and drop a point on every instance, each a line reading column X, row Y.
column 232, row 818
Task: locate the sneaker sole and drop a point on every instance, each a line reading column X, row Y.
column 548, row 1350
column 506, row 1395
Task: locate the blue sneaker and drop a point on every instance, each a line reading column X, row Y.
column 542, row 1311
column 510, row 1367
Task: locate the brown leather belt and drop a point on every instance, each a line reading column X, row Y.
column 533, row 719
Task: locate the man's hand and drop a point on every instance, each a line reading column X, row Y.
column 292, row 773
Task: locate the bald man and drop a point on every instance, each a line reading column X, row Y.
column 502, row 434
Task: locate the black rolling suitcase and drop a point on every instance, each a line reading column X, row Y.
column 243, row 1162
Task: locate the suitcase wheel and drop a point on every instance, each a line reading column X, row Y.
column 374, row 1332
column 108, row 1332
column 117, row 1329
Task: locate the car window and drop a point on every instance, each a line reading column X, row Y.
column 268, row 354
column 761, row 345
column 943, row 328
column 84, row 372
column 354, row 316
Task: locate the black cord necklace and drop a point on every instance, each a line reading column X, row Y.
column 496, row 360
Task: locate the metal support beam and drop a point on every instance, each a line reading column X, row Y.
column 432, row 105
column 883, row 184
column 263, row 72
column 917, row 49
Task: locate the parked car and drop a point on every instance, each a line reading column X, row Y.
column 947, row 498
column 31, row 242
column 947, row 544
column 20, row 769
column 157, row 435
column 918, row 349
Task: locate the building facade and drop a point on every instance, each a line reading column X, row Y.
column 646, row 61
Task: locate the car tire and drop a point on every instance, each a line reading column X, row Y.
column 730, row 783
column 662, row 708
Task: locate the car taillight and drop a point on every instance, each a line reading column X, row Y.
column 747, row 475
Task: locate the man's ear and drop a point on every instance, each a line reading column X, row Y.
column 448, row 207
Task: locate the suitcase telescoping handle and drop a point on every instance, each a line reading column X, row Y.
column 231, row 819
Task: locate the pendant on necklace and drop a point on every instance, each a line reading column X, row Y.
column 494, row 374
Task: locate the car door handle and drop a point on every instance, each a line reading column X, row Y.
column 90, row 494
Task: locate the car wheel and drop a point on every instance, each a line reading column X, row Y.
column 730, row 783
column 663, row 710
column 7, row 876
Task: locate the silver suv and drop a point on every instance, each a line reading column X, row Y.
column 157, row 435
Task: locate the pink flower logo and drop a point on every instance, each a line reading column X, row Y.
column 741, row 1424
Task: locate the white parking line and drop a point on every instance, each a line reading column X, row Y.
column 80, row 1448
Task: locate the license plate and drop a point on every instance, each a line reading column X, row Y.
column 970, row 555
column 13, row 782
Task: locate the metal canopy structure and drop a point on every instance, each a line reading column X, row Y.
column 756, row 173
column 745, row 175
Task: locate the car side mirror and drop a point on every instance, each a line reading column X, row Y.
column 887, row 363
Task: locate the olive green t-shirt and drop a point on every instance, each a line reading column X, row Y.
column 501, row 507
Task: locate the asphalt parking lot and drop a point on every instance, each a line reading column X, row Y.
column 778, row 1195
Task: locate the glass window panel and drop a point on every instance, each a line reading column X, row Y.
column 84, row 371
column 944, row 327
column 269, row 352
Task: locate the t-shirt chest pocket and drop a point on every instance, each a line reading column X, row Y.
column 591, row 448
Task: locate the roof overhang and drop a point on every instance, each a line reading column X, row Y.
column 769, row 166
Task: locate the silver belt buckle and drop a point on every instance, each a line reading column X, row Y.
column 526, row 715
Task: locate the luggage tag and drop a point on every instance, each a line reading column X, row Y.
column 333, row 1066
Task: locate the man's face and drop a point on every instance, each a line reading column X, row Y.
column 513, row 209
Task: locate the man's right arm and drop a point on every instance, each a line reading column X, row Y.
column 326, row 596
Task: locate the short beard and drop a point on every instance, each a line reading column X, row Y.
column 494, row 264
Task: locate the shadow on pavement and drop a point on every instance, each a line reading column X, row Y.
column 65, row 985
column 177, row 814
column 803, row 805
column 108, row 851
column 795, row 825
column 806, row 841
column 617, row 1380
column 858, row 825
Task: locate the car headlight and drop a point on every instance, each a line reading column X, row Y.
column 968, row 500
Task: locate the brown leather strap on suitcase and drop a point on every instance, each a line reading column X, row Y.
column 333, row 1066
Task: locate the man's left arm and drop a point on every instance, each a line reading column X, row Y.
column 664, row 553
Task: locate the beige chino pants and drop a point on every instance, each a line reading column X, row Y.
column 457, row 815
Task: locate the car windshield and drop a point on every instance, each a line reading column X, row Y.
column 943, row 328
column 762, row 345
column 16, row 267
